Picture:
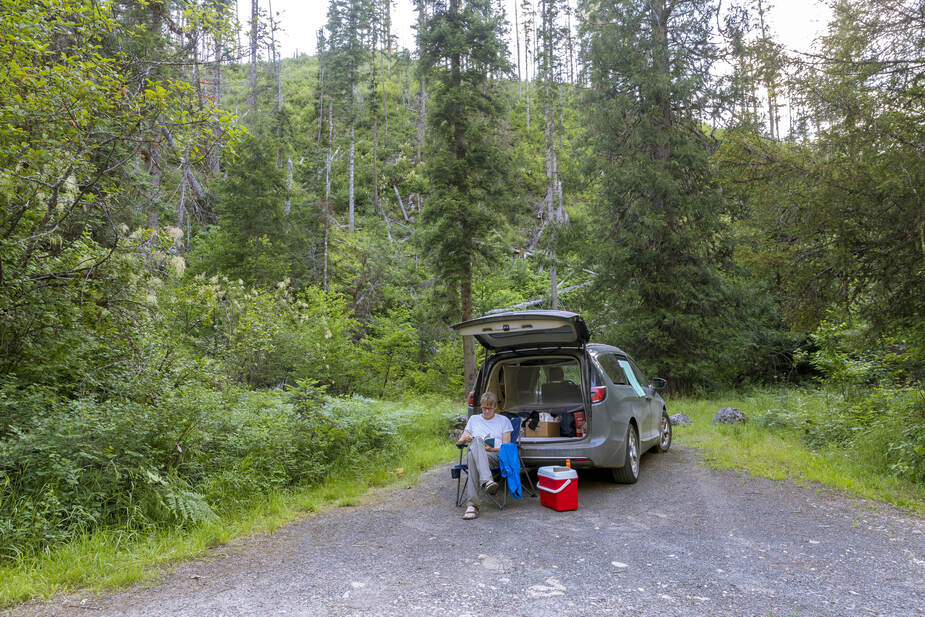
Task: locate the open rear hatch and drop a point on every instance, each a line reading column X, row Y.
column 526, row 329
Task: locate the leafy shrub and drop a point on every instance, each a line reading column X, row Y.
column 89, row 463
column 874, row 399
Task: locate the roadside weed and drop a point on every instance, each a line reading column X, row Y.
column 117, row 557
column 769, row 446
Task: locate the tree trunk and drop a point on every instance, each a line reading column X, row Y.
column 181, row 207
column 375, row 112
column 401, row 205
column 422, row 116
column 769, row 82
column 375, row 161
column 196, row 79
column 289, row 171
column 571, row 52
column 388, row 53
column 469, row 360
column 385, row 112
column 527, row 21
column 155, row 203
column 214, row 158
column 554, row 290
column 520, row 83
column 320, row 105
column 277, row 60
column 350, row 203
column 252, row 76
column 326, row 206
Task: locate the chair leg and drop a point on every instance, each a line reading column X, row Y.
column 501, row 504
column 461, row 489
column 460, row 484
column 526, row 473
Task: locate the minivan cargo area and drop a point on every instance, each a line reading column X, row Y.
column 545, row 391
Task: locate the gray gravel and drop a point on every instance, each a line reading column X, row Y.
column 685, row 540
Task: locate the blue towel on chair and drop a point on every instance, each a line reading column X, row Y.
column 510, row 468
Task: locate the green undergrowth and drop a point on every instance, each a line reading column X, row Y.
column 114, row 557
column 806, row 436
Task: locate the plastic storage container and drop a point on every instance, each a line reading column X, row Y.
column 558, row 488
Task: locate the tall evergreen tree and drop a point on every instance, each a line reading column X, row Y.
column 659, row 208
column 461, row 45
column 551, row 36
column 349, row 23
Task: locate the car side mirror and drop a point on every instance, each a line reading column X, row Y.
column 658, row 383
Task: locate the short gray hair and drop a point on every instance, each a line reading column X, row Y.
column 488, row 397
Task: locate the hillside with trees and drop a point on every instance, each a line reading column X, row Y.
column 212, row 257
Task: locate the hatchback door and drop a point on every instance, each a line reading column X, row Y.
column 526, row 329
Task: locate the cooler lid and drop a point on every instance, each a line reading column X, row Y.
column 526, row 329
column 555, row 472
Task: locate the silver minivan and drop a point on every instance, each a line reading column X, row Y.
column 585, row 402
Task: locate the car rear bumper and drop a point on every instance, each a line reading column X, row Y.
column 587, row 452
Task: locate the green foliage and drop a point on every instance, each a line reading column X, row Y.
column 392, row 351
column 250, row 241
column 461, row 47
column 833, row 214
column 878, row 412
column 88, row 463
column 786, row 437
column 665, row 286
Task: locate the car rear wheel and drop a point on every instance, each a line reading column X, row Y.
column 629, row 473
column 664, row 434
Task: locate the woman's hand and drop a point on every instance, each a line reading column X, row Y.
column 465, row 438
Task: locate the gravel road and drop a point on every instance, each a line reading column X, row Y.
column 685, row 540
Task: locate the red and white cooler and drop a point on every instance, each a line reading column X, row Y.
column 558, row 487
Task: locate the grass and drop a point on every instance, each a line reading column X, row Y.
column 115, row 558
column 781, row 452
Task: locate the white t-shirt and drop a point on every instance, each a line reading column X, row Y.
column 478, row 426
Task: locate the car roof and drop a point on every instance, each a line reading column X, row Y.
column 601, row 348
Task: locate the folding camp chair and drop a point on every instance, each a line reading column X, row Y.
column 462, row 469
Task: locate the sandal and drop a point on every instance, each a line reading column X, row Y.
column 471, row 513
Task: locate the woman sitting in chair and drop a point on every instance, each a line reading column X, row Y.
column 484, row 433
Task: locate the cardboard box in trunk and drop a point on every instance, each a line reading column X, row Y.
column 543, row 429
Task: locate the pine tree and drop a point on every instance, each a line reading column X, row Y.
column 551, row 37
column 349, row 23
column 461, row 45
column 659, row 209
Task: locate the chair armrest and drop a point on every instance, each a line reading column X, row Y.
column 461, row 445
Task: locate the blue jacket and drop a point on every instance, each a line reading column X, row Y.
column 510, row 468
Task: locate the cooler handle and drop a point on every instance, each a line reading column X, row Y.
column 554, row 491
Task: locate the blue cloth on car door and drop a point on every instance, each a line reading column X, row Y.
column 510, row 468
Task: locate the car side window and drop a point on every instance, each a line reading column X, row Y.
column 631, row 376
column 611, row 365
column 640, row 376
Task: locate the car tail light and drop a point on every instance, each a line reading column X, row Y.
column 471, row 400
column 598, row 394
